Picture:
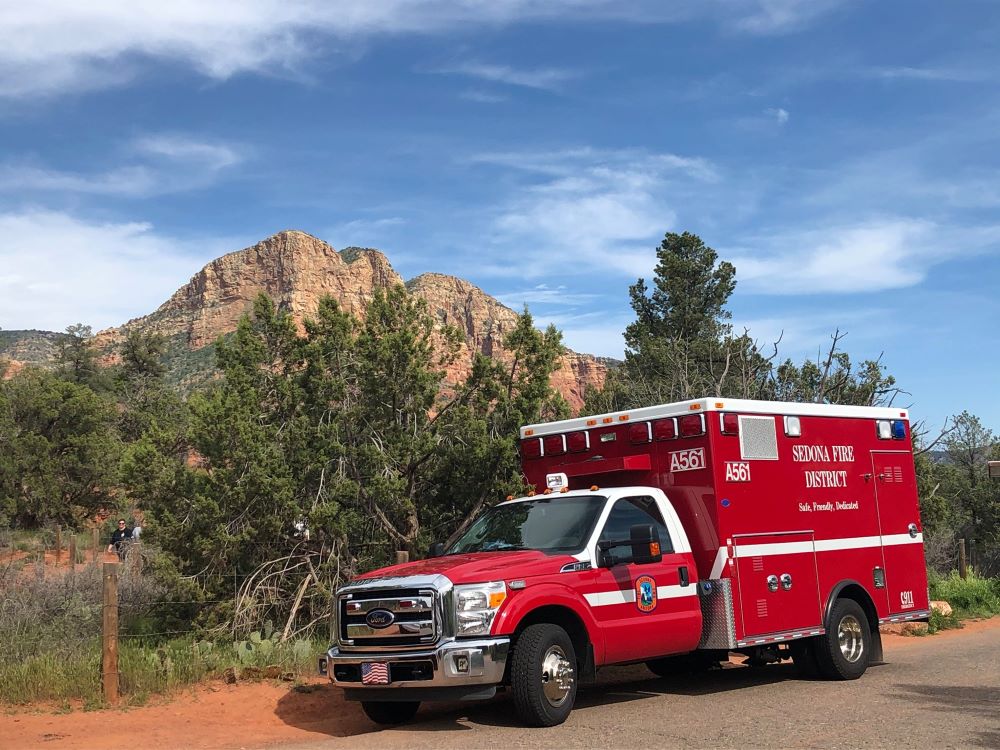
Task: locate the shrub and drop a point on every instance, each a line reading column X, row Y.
column 973, row 596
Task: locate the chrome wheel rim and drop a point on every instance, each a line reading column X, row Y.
column 557, row 676
column 850, row 637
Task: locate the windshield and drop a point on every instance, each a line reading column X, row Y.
column 548, row 524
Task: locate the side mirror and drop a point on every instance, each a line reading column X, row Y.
column 436, row 550
column 645, row 541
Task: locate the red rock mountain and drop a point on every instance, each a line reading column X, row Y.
column 296, row 270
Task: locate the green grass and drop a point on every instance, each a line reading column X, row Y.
column 145, row 669
column 973, row 596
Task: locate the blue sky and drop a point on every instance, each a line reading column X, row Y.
column 842, row 154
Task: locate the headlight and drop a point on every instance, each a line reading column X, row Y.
column 476, row 605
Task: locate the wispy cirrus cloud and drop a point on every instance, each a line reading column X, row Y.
column 575, row 210
column 930, row 73
column 560, row 295
column 164, row 163
column 47, row 48
column 548, row 79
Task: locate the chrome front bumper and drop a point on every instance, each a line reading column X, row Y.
column 450, row 670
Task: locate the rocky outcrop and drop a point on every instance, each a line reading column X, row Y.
column 293, row 268
column 296, row 270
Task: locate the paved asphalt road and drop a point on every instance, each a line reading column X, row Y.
column 936, row 693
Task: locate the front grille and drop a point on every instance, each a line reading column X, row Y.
column 412, row 617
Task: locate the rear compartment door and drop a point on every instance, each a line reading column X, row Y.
column 778, row 582
column 902, row 534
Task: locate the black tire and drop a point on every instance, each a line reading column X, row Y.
column 804, row 657
column 390, row 712
column 536, row 651
column 685, row 664
column 844, row 652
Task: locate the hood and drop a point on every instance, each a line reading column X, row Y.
column 479, row 567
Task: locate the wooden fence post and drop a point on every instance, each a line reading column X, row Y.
column 402, row 556
column 109, row 651
column 72, row 556
column 96, row 538
column 58, row 543
column 962, row 567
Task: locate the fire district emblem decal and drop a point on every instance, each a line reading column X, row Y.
column 645, row 594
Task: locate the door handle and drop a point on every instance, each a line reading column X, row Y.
column 684, row 575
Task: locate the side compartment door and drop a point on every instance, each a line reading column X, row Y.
column 902, row 534
column 778, row 582
column 644, row 610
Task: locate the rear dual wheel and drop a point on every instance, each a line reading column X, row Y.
column 845, row 651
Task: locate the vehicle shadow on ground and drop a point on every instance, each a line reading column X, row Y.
column 340, row 718
column 980, row 702
column 323, row 710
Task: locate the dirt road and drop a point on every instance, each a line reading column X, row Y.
column 939, row 691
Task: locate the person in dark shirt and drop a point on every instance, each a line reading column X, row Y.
column 119, row 539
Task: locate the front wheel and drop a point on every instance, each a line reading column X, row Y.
column 844, row 652
column 543, row 675
column 390, row 712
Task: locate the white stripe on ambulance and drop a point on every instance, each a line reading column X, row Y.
column 604, row 598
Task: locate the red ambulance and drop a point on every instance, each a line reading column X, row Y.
column 670, row 535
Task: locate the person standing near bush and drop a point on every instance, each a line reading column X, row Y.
column 119, row 539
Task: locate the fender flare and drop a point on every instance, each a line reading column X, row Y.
column 835, row 594
column 549, row 595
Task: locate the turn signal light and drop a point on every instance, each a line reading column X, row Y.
column 654, row 549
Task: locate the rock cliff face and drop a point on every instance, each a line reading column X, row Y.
column 296, row 270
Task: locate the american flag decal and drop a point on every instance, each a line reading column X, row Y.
column 374, row 673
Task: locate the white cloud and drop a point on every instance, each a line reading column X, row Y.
column 949, row 74
column 183, row 149
column 780, row 16
column 170, row 163
column 544, row 294
column 549, row 79
column 583, row 209
column 881, row 254
column 60, row 269
column 779, row 114
column 57, row 46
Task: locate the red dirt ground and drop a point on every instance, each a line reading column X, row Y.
column 245, row 715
